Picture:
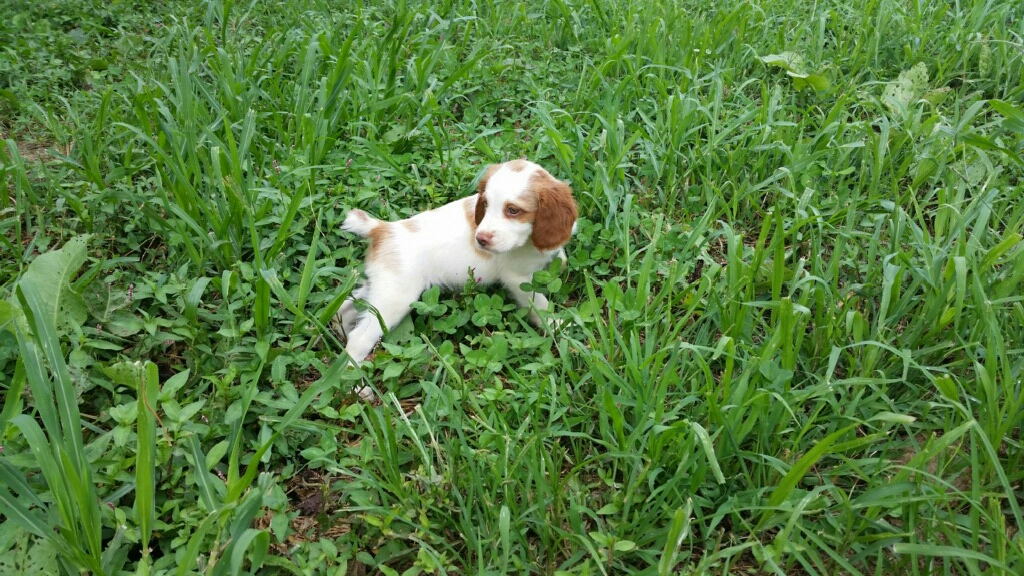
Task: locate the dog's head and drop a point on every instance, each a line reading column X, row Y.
column 519, row 202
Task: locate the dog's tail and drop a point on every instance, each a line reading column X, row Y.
column 360, row 223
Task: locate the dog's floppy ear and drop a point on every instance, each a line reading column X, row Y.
column 481, row 202
column 556, row 213
column 481, row 208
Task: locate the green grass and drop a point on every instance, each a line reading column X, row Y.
column 793, row 336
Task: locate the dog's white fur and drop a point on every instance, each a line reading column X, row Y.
column 516, row 224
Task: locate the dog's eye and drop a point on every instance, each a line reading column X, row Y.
column 512, row 211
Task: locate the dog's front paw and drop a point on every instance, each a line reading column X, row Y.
column 555, row 324
column 365, row 393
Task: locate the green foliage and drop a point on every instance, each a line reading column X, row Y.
column 787, row 339
column 25, row 555
column 57, row 447
column 794, row 66
column 49, row 279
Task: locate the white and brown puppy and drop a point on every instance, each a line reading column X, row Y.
column 515, row 225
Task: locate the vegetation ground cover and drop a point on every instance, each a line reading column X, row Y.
column 791, row 337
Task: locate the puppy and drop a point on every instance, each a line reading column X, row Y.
column 518, row 222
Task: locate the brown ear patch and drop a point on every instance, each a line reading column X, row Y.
column 471, row 217
column 481, row 201
column 556, row 211
column 481, row 208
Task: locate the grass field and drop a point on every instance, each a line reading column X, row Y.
column 793, row 315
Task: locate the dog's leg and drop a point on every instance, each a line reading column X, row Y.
column 393, row 301
column 533, row 300
column 347, row 316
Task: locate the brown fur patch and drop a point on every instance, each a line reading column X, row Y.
column 382, row 245
column 411, row 225
column 518, row 165
column 556, row 211
column 481, row 209
column 481, row 201
column 527, row 205
column 473, row 217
